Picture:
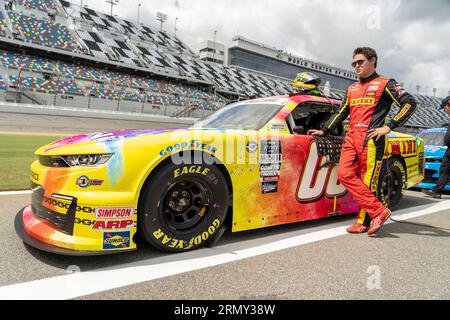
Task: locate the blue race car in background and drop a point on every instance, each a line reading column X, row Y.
column 434, row 153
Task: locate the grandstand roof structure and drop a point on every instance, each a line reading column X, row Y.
column 58, row 47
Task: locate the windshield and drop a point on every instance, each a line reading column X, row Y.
column 241, row 116
column 433, row 138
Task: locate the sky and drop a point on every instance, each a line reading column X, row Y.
column 411, row 37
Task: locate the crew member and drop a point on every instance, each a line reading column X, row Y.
column 368, row 103
column 436, row 192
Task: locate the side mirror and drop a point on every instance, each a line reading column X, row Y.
column 299, row 130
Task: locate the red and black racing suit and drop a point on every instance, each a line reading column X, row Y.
column 368, row 103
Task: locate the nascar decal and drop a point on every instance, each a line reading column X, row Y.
column 167, row 240
column 278, row 127
column 316, row 182
column 116, row 240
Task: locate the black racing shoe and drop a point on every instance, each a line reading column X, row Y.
column 433, row 193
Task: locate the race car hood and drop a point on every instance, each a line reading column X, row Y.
column 435, row 152
column 91, row 143
column 98, row 143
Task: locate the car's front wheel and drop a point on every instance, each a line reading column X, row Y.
column 183, row 207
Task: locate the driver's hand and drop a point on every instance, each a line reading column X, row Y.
column 313, row 132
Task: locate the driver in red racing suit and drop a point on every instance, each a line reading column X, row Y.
column 368, row 103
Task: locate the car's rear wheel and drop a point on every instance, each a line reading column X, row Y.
column 183, row 207
column 392, row 183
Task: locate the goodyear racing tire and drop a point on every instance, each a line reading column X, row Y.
column 183, row 207
column 391, row 185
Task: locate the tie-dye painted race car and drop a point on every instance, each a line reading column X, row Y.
column 251, row 163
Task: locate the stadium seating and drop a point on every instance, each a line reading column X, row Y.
column 41, row 5
column 45, row 86
column 2, row 25
column 43, row 32
column 112, row 40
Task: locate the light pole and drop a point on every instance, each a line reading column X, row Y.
column 434, row 92
column 176, row 19
column 139, row 8
column 418, row 88
column 113, row 3
column 214, row 51
column 161, row 17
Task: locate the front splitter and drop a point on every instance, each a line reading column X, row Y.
column 29, row 240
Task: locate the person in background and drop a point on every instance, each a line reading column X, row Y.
column 436, row 192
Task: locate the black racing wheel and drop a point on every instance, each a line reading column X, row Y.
column 183, row 206
column 391, row 185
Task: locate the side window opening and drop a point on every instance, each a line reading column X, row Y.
column 307, row 116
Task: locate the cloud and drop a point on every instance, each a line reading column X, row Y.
column 411, row 37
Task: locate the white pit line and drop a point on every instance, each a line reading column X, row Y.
column 15, row 193
column 85, row 283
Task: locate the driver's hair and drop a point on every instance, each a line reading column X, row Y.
column 368, row 52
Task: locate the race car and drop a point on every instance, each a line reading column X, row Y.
column 250, row 165
column 434, row 153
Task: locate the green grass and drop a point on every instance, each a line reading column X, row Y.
column 16, row 156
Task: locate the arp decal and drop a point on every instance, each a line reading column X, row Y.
column 113, row 225
column 116, row 240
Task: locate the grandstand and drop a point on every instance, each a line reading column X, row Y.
column 56, row 52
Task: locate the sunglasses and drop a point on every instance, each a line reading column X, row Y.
column 358, row 63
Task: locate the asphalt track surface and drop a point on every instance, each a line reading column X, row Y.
column 309, row 260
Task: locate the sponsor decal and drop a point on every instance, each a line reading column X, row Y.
column 186, row 245
column 371, row 94
column 270, row 179
column 34, row 176
column 116, row 240
column 269, row 187
column 113, row 225
column 85, row 182
column 191, row 170
column 403, row 112
column 252, row 147
column 373, row 88
column 193, row 144
column 362, row 102
column 270, row 158
column 114, row 213
column 277, row 127
column 376, row 177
